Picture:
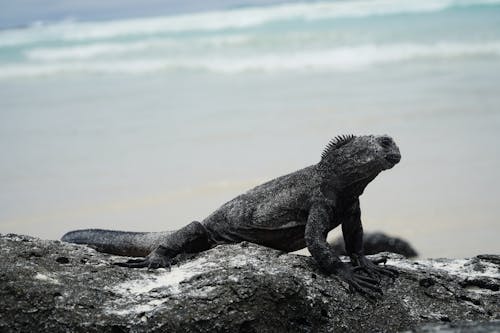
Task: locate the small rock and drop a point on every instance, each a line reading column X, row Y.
column 62, row 260
column 426, row 282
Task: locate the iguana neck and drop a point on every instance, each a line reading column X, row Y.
column 347, row 178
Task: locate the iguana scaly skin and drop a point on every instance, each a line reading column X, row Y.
column 287, row 213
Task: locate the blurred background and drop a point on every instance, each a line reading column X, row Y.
column 148, row 115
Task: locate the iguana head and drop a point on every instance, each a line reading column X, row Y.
column 359, row 159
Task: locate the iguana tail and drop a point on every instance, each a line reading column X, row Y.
column 123, row 243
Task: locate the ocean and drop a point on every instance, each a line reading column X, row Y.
column 149, row 123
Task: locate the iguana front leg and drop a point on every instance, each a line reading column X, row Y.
column 352, row 230
column 318, row 225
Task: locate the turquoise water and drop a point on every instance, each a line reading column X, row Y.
column 149, row 123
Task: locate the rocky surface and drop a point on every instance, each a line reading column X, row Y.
column 461, row 327
column 53, row 287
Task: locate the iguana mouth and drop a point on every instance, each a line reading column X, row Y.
column 393, row 158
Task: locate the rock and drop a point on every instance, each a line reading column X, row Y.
column 376, row 242
column 231, row 288
column 461, row 327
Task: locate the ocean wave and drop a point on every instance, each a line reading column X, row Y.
column 250, row 17
column 93, row 50
column 84, row 51
column 227, row 19
column 337, row 59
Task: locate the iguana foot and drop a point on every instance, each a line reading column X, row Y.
column 366, row 286
column 363, row 264
column 156, row 259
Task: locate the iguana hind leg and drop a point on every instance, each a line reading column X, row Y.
column 192, row 238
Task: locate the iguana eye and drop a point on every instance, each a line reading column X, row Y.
column 385, row 142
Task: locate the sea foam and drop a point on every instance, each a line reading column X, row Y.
column 334, row 59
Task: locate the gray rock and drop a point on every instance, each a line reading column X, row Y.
column 376, row 242
column 51, row 286
column 461, row 327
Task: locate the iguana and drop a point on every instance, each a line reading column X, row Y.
column 287, row 213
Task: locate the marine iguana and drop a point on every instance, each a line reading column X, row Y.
column 287, row 213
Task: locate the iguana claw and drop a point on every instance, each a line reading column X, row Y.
column 363, row 264
column 362, row 284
